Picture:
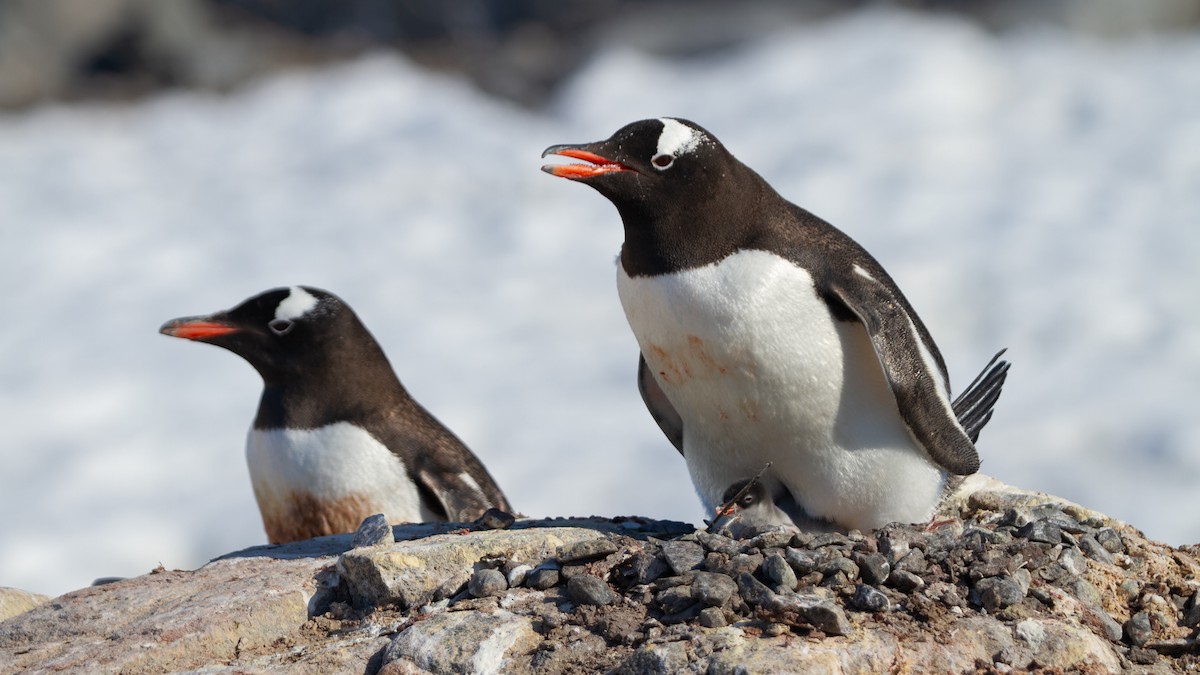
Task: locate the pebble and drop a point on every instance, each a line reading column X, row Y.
column 516, row 575
column 753, row 591
column 496, row 519
column 778, row 572
column 873, row 568
column 905, row 581
column 712, row 589
column 1138, row 630
column 682, row 556
column 830, row 539
column 712, row 617
column 1092, row 549
column 675, row 599
column 1191, row 617
column 586, row 550
column 487, row 582
column 589, row 590
column 1042, row 531
column 718, row 543
column 803, row 561
column 870, row 599
column 644, row 567
column 542, row 578
column 812, row 610
column 998, row 592
column 374, row 531
column 777, row 538
column 1111, row 540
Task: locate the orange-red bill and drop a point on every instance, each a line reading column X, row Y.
column 599, row 165
column 197, row 330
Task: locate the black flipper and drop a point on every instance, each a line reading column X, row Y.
column 660, row 407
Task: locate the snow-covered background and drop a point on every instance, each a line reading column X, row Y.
column 1037, row 190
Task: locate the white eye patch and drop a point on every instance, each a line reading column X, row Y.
column 676, row 138
column 298, row 303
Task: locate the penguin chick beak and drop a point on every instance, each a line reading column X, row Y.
column 597, row 165
column 196, row 328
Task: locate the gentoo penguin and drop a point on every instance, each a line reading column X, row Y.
column 337, row 438
column 768, row 335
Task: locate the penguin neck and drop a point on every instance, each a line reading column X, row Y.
column 698, row 229
column 324, row 396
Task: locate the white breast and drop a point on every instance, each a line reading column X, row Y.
column 339, row 463
column 760, row 371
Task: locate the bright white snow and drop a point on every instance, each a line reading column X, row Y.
column 1039, row 191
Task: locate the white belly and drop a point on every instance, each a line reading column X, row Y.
column 339, row 464
column 759, row 371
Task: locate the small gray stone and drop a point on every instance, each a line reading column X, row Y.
column 646, row 566
column 996, row 593
column 712, row 617
column 1084, row 591
column 803, row 561
column 374, row 531
column 712, row 589
column 836, row 539
column 589, row 590
column 586, row 550
column 812, row 610
column 573, row 570
column 1016, row 516
column 753, row 591
column 873, row 568
column 1042, row 531
column 683, row 556
column 905, row 581
column 1112, row 629
column 840, row 565
column 870, row 599
column 487, row 582
column 777, row 538
column 1191, row 617
column 1111, row 540
column 675, row 599
column 745, row 562
column 913, row 562
column 1092, row 549
column 496, row 519
column 542, row 578
column 718, row 543
column 516, row 575
column 1138, row 630
column 1130, row 588
column 778, row 572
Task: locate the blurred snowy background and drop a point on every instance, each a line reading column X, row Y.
column 1029, row 173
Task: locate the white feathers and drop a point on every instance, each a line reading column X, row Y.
column 760, row 371
column 331, row 463
column 298, row 303
column 676, row 138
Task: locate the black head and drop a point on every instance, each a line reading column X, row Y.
column 682, row 197
column 745, row 494
column 285, row 333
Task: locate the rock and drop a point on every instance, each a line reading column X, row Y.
column 1138, row 630
column 588, row 590
column 870, row 599
column 487, row 582
column 717, row 543
column 777, row 571
column 463, row 642
column 586, row 550
column 373, row 531
column 543, row 577
column 996, row 593
column 294, row 609
column 1191, row 618
column 411, row 573
column 1042, row 531
column 14, row 601
column 873, row 568
column 495, row 519
column 1092, row 549
column 714, row 590
column 905, row 581
column 712, row 617
column 1111, row 540
column 682, row 556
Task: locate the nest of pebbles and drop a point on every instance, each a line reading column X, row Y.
column 999, row 556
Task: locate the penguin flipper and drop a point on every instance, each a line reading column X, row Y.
column 459, row 495
column 913, row 368
column 660, row 407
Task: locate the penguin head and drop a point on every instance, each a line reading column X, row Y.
column 283, row 332
column 648, row 161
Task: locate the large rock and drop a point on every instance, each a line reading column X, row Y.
column 1004, row 580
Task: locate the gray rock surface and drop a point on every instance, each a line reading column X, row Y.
column 983, row 591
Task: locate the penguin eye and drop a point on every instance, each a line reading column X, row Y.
column 280, row 326
column 746, row 501
column 663, row 161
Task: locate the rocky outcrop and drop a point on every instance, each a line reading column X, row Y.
column 1004, row 580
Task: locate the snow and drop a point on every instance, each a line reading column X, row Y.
column 1038, row 191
